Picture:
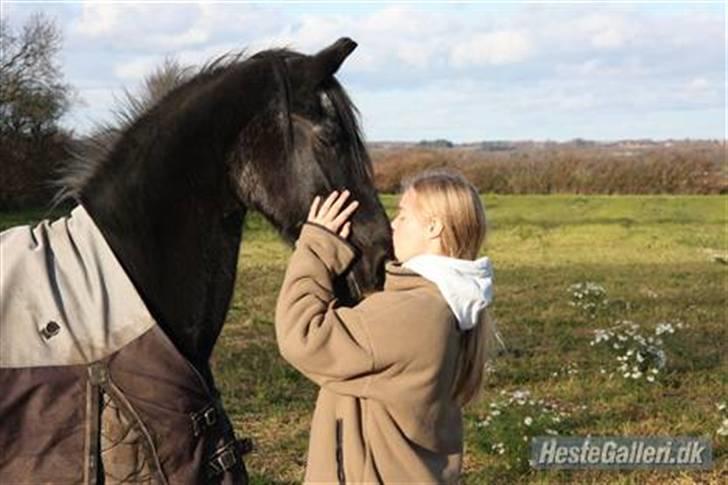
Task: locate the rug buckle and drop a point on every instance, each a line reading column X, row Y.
column 203, row 419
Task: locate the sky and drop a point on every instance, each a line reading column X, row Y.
column 466, row 72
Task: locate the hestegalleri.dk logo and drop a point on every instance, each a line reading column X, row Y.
column 610, row 452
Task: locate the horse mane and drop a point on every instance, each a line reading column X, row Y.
column 170, row 80
column 88, row 155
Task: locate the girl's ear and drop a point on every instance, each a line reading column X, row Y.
column 434, row 228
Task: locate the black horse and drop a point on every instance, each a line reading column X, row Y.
column 170, row 190
column 269, row 133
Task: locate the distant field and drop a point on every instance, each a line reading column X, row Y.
column 517, row 168
column 656, row 261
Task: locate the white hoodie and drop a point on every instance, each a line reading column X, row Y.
column 467, row 285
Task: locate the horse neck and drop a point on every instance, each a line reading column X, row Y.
column 182, row 259
column 167, row 209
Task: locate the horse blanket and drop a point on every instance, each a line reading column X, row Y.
column 91, row 388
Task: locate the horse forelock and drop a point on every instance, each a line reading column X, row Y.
column 349, row 119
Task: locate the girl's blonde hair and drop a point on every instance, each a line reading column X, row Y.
column 447, row 195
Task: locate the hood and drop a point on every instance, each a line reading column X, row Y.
column 466, row 285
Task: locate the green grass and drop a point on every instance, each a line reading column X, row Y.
column 659, row 258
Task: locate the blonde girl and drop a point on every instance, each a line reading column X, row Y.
column 395, row 370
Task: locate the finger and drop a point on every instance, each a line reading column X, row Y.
column 327, row 203
column 344, row 215
column 314, row 208
column 338, row 203
column 346, row 230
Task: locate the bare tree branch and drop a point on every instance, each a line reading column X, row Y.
column 33, row 95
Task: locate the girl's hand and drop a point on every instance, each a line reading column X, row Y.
column 329, row 214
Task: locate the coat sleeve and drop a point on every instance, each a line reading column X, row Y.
column 327, row 343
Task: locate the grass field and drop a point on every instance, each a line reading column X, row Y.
column 658, row 262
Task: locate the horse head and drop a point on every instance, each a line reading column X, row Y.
column 170, row 185
column 307, row 143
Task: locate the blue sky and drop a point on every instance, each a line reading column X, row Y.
column 466, row 71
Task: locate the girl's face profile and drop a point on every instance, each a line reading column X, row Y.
column 409, row 232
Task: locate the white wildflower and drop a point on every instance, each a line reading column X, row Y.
column 723, row 430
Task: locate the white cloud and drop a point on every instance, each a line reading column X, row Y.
column 311, row 32
column 608, row 38
column 387, row 37
column 136, row 69
column 699, row 84
column 628, row 67
column 503, row 47
column 413, row 54
column 98, row 19
column 605, row 30
column 151, row 27
column 699, row 92
column 429, row 68
column 407, row 21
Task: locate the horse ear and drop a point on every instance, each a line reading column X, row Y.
column 327, row 61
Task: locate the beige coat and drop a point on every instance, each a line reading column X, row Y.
column 384, row 368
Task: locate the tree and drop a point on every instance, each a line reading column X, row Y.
column 33, row 95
